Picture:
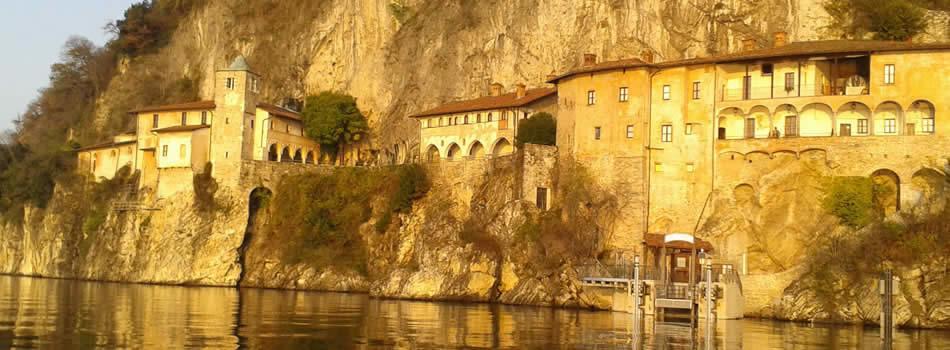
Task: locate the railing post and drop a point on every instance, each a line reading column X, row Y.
column 636, row 297
column 886, row 288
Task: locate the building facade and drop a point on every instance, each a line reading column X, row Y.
column 480, row 127
column 667, row 135
column 172, row 143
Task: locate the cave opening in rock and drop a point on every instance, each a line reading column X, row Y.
column 258, row 199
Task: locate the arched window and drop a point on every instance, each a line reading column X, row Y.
column 466, row 119
column 490, row 119
column 478, row 118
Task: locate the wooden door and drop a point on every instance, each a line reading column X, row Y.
column 845, row 129
column 791, row 126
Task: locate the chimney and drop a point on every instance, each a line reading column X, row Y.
column 780, row 39
column 520, row 90
column 496, row 89
column 590, row 59
column 748, row 44
column 646, row 56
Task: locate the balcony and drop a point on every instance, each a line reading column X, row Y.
column 761, row 93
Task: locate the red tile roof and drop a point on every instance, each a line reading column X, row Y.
column 109, row 144
column 488, row 102
column 187, row 106
column 801, row 48
column 181, row 128
column 279, row 111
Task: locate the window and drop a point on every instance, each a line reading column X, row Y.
column 287, row 128
column 666, row 92
column 164, row 150
column 658, row 167
column 591, row 97
column 624, row 94
column 889, row 74
column 252, row 123
column 666, row 133
column 182, row 150
column 596, row 133
column 204, row 118
column 255, row 87
column 490, row 118
column 504, row 115
column 689, row 128
column 184, row 118
column 629, row 131
column 229, row 83
column 690, row 167
column 696, row 90
column 542, row 198
column 927, row 125
column 890, row 126
column 154, row 121
column 862, row 126
column 767, row 69
column 789, row 81
column 524, row 115
column 478, row 118
column 466, row 119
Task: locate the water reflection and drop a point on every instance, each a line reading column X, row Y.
column 42, row 313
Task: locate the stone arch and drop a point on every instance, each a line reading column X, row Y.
column 783, row 113
column 853, row 118
column 887, row 119
column 258, row 199
column 502, row 147
column 476, row 150
column 309, row 159
column 920, row 114
column 432, row 154
column 454, row 152
column 272, row 154
column 887, row 191
column 782, row 152
column 298, row 156
column 731, row 124
column 816, row 119
column 285, row 155
column 929, row 189
column 744, row 194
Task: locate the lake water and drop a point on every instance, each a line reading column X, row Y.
column 63, row 314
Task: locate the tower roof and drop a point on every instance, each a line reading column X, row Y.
column 239, row 63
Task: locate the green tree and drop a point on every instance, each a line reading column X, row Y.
column 885, row 19
column 333, row 120
column 540, row 129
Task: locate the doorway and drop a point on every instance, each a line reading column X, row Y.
column 845, row 129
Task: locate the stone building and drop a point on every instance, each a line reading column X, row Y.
column 667, row 136
column 480, row 127
column 172, row 143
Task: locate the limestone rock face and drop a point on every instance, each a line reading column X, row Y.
column 168, row 242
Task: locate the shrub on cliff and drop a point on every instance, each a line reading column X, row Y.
column 333, row 120
column 205, row 187
column 540, row 129
column 851, row 199
column 316, row 218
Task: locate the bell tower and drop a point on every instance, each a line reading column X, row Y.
column 236, row 93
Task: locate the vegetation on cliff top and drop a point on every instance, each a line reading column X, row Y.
column 884, row 19
column 316, row 218
column 63, row 117
column 540, row 129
